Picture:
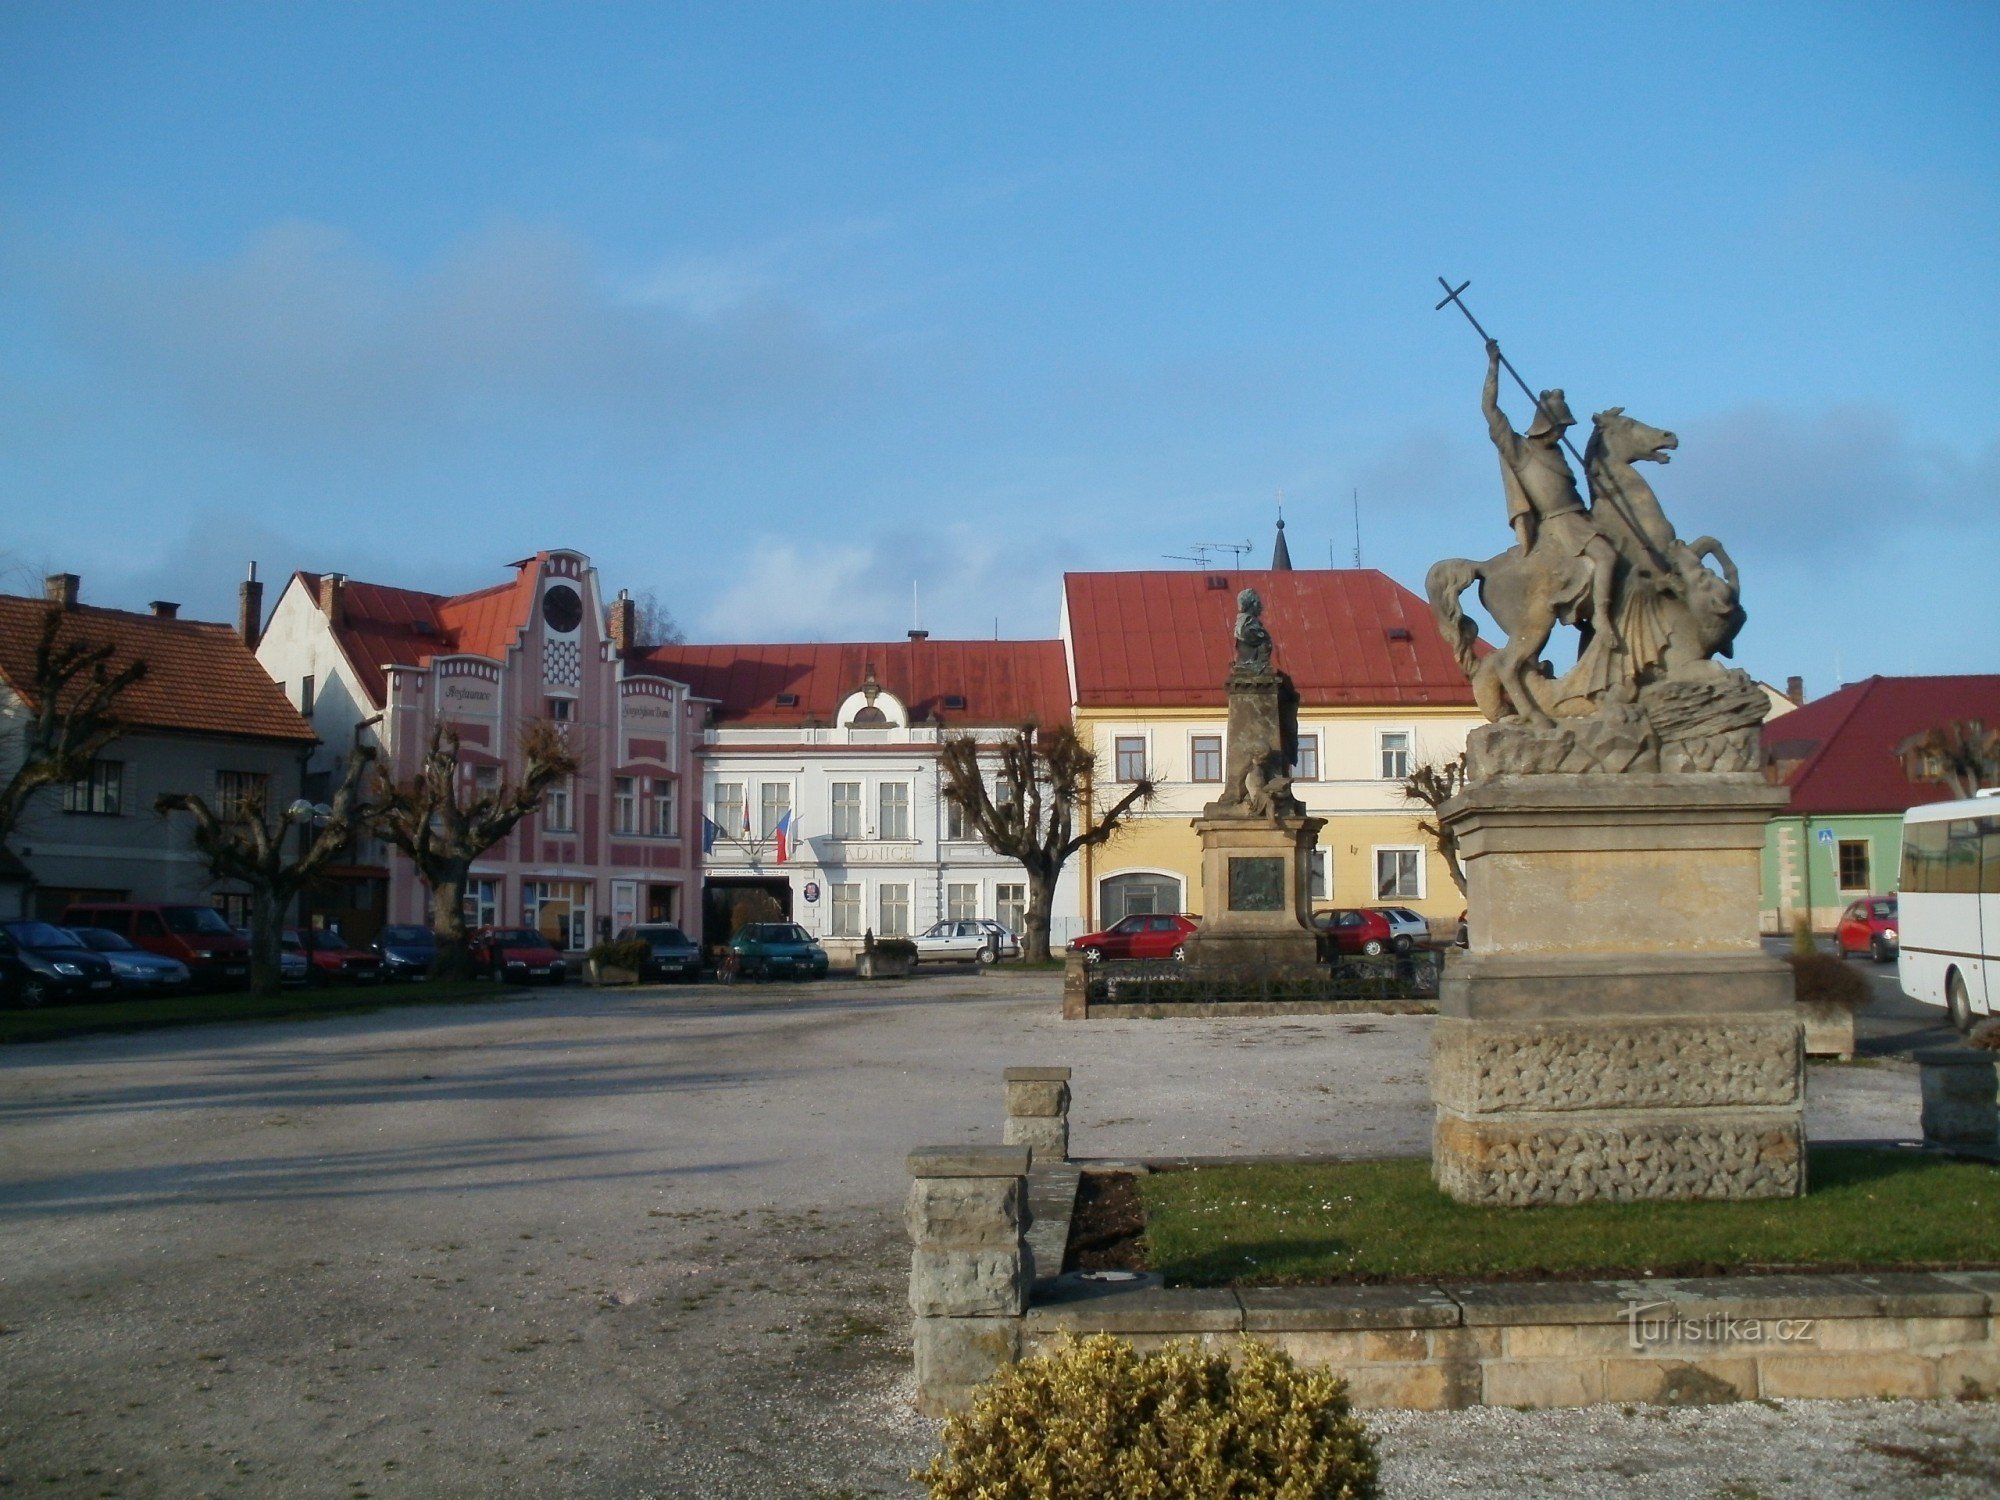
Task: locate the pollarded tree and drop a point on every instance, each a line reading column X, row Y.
column 1039, row 808
column 443, row 823
column 1433, row 784
column 69, row 711
column 1963, row 753
column 253, row 843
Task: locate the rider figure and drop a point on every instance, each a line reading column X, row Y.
column 1542, row 500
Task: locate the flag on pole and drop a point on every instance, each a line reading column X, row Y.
column 709, row 834
column 783, row 833
column 745, row 834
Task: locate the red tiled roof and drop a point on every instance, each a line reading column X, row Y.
column 1166, row 639
column 1002, row 682
column 200, row 677
column 1845, row 743
column 387, row 626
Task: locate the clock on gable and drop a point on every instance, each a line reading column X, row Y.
column 562, row 609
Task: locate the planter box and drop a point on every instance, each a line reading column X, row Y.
column 1959, row 1087
column 877, row 966
column 1829, row 1028
column 603, row 974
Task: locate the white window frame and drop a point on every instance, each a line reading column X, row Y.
column 955, row 909
column 559, row 806
column 769, row 810
column 1195, row 741
column 1010, row 898
column 1382, row 753
column 1119, row 752
column 1299, row 773
column 1423, row 871
column 666, row 821
column 883, row 789
column 845, row 903
column 854, row 825
column 883, row 895
column 624, row 804
column 1319, row 875
column 730, row 827
column 956, row 829
column 481, row 901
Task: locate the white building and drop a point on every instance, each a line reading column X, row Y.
column 822, row 785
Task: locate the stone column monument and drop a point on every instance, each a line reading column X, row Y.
column 1256, row 839
column 1616, row 1031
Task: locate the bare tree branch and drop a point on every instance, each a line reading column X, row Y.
column 1433, row 784
column 1962, row 753
column 72, row 703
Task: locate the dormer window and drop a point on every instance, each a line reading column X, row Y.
column 869, row 716
column 560, row 709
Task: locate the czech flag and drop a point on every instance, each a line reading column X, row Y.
column 783, row 833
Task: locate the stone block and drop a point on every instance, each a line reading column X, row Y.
column 1673, row 1382
column 1981, row 1283
column 1332, row 1348
column 1046, row 1137
column 1466, row 1345
column 1085, row 1309
column 1543, row 1383
column 1970, row 1374
column 1504, row 1303
column 1567, row 1340
column 966, row 1211
column 1619, row 1156
column 1846, row 1377
column 1770, row 1297
column 1605, row 986
column 1409, row 1388
column 1925, row 1294
column 1076, row 988
column 1489, row 1067
column 1335, row 1307
column 1891, row 1335
column 970, row 1283
column 954, row 1355
column 968, row 1161
column 1958, row 1086
column 1829, row 1028
column 1037, row 1096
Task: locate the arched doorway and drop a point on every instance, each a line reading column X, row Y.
column 1119, row 896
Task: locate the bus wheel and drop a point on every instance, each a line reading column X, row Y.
column 1958, row 1005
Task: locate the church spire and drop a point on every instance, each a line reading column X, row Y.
column 1281, row 555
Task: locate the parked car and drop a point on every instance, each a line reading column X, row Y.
column 1353, row 930
column 967, row 939
column 1141, row 935
column 774, row 950
column 1869, row 926
column 671, row 953
column 519, row 955
column 406, row 952
column 331, row 957
column 195, row 935
column 1406, row 928
column 46, row 964
column 137, row 971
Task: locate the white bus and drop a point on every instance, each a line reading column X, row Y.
column 1949, row 907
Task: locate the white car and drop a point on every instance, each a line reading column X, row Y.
column 967, row 939
column 1406, row 928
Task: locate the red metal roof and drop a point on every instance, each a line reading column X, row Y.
column 1166, row 639
column 1002, row 682
column 1845, row 743
column 387, row 626
column 200, row 677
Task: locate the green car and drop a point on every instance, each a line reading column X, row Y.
column 774, row 950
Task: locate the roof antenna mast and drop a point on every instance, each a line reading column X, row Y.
column 1357, row 527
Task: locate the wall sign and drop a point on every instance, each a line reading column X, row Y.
column 811, row 892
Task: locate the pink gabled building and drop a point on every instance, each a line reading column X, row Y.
column 616, row 844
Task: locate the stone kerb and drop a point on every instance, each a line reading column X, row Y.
column 1959, row 1085
column 970, row 1266
column 1038, row 1113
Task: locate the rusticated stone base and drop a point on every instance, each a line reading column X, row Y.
column 1598, row 1158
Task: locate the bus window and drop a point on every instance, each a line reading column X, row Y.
column 1989, row 856
column 1923, row 857
column 1961, row 858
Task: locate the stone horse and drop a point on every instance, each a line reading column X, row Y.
column 1526, row 594
column 1674, row 612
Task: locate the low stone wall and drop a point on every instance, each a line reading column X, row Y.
column 1550, row 1344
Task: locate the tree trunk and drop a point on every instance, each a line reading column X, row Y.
column 267, row 921
column 1041, row 903
column 448, row 922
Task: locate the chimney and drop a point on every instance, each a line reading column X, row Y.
column 60, row 588
column 623, row 627
column 333, row 598
column 920, row 635
column 1795, row 689
column 250, row 610
column 165, row 609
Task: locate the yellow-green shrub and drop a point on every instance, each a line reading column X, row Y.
column 1092, row 1420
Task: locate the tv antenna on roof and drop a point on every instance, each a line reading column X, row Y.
column 1198, row 553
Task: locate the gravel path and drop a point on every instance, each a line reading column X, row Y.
column 648, row 1243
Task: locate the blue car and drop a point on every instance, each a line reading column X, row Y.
column 407, row 952
column 136, row 970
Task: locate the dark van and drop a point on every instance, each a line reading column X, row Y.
column 196, row 935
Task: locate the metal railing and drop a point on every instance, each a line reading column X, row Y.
column 1412, row 977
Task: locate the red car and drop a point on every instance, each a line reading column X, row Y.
column 519, row 954
column 1354, row 930
column 1141, row 935
column 331, row 958
column 1868, row 926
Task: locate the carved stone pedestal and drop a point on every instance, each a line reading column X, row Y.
column 1616, row 1031
column 1256, row 894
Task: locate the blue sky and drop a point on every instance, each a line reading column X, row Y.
column 775, row 309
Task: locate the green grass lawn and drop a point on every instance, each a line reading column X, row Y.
column 50, row 1022
column 1383, row 1220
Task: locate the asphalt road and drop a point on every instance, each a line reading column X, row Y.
column 648, row 1242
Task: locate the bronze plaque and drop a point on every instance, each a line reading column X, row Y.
column 1256, row 884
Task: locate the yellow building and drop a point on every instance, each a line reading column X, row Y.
column 1379, row 694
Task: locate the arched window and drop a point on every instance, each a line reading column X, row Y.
column 1120, row 896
